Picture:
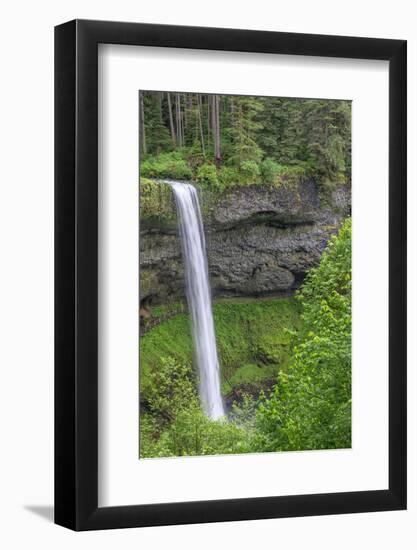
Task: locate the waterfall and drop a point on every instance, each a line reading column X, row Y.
column 199, row 296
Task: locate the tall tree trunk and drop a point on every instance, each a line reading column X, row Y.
column 218, row 153
column 142, row 117
column 179, row 122
column 200, row 120
column 213, row 123
column 159, row 96
column 215, row 117
column 177, row 119
column 171, row 121
column 183, row 120
column 208, row 120
column 188, row 106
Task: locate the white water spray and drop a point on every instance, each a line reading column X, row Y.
column 199, row 296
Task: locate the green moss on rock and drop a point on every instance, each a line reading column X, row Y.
column 253, row 340
column 156, row 202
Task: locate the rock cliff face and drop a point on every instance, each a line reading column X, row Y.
column 260, row 241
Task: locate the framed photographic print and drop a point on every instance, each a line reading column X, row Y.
column 230, row 275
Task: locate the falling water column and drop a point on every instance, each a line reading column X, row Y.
column 199, row 296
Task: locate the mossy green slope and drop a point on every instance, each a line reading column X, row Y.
column 253, row 341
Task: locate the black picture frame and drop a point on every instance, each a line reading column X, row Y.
column 76, row 272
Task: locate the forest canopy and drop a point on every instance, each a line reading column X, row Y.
column 225, row 140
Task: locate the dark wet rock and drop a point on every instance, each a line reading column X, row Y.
column 260, row 241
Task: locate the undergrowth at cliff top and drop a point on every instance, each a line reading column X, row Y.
column 179, row 165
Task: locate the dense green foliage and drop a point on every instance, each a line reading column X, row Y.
column 236, row 140
column 167, row 165
column 311, row 404
column 308, row 357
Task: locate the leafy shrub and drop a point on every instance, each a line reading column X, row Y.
column 166, row 165
column 270, row 170
column 192, row 433
column 171, row 388
column 274, row 173
column 207, row 174
column 250, row 171
column 244, row 414
column 301, row 168
column 228, row 176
